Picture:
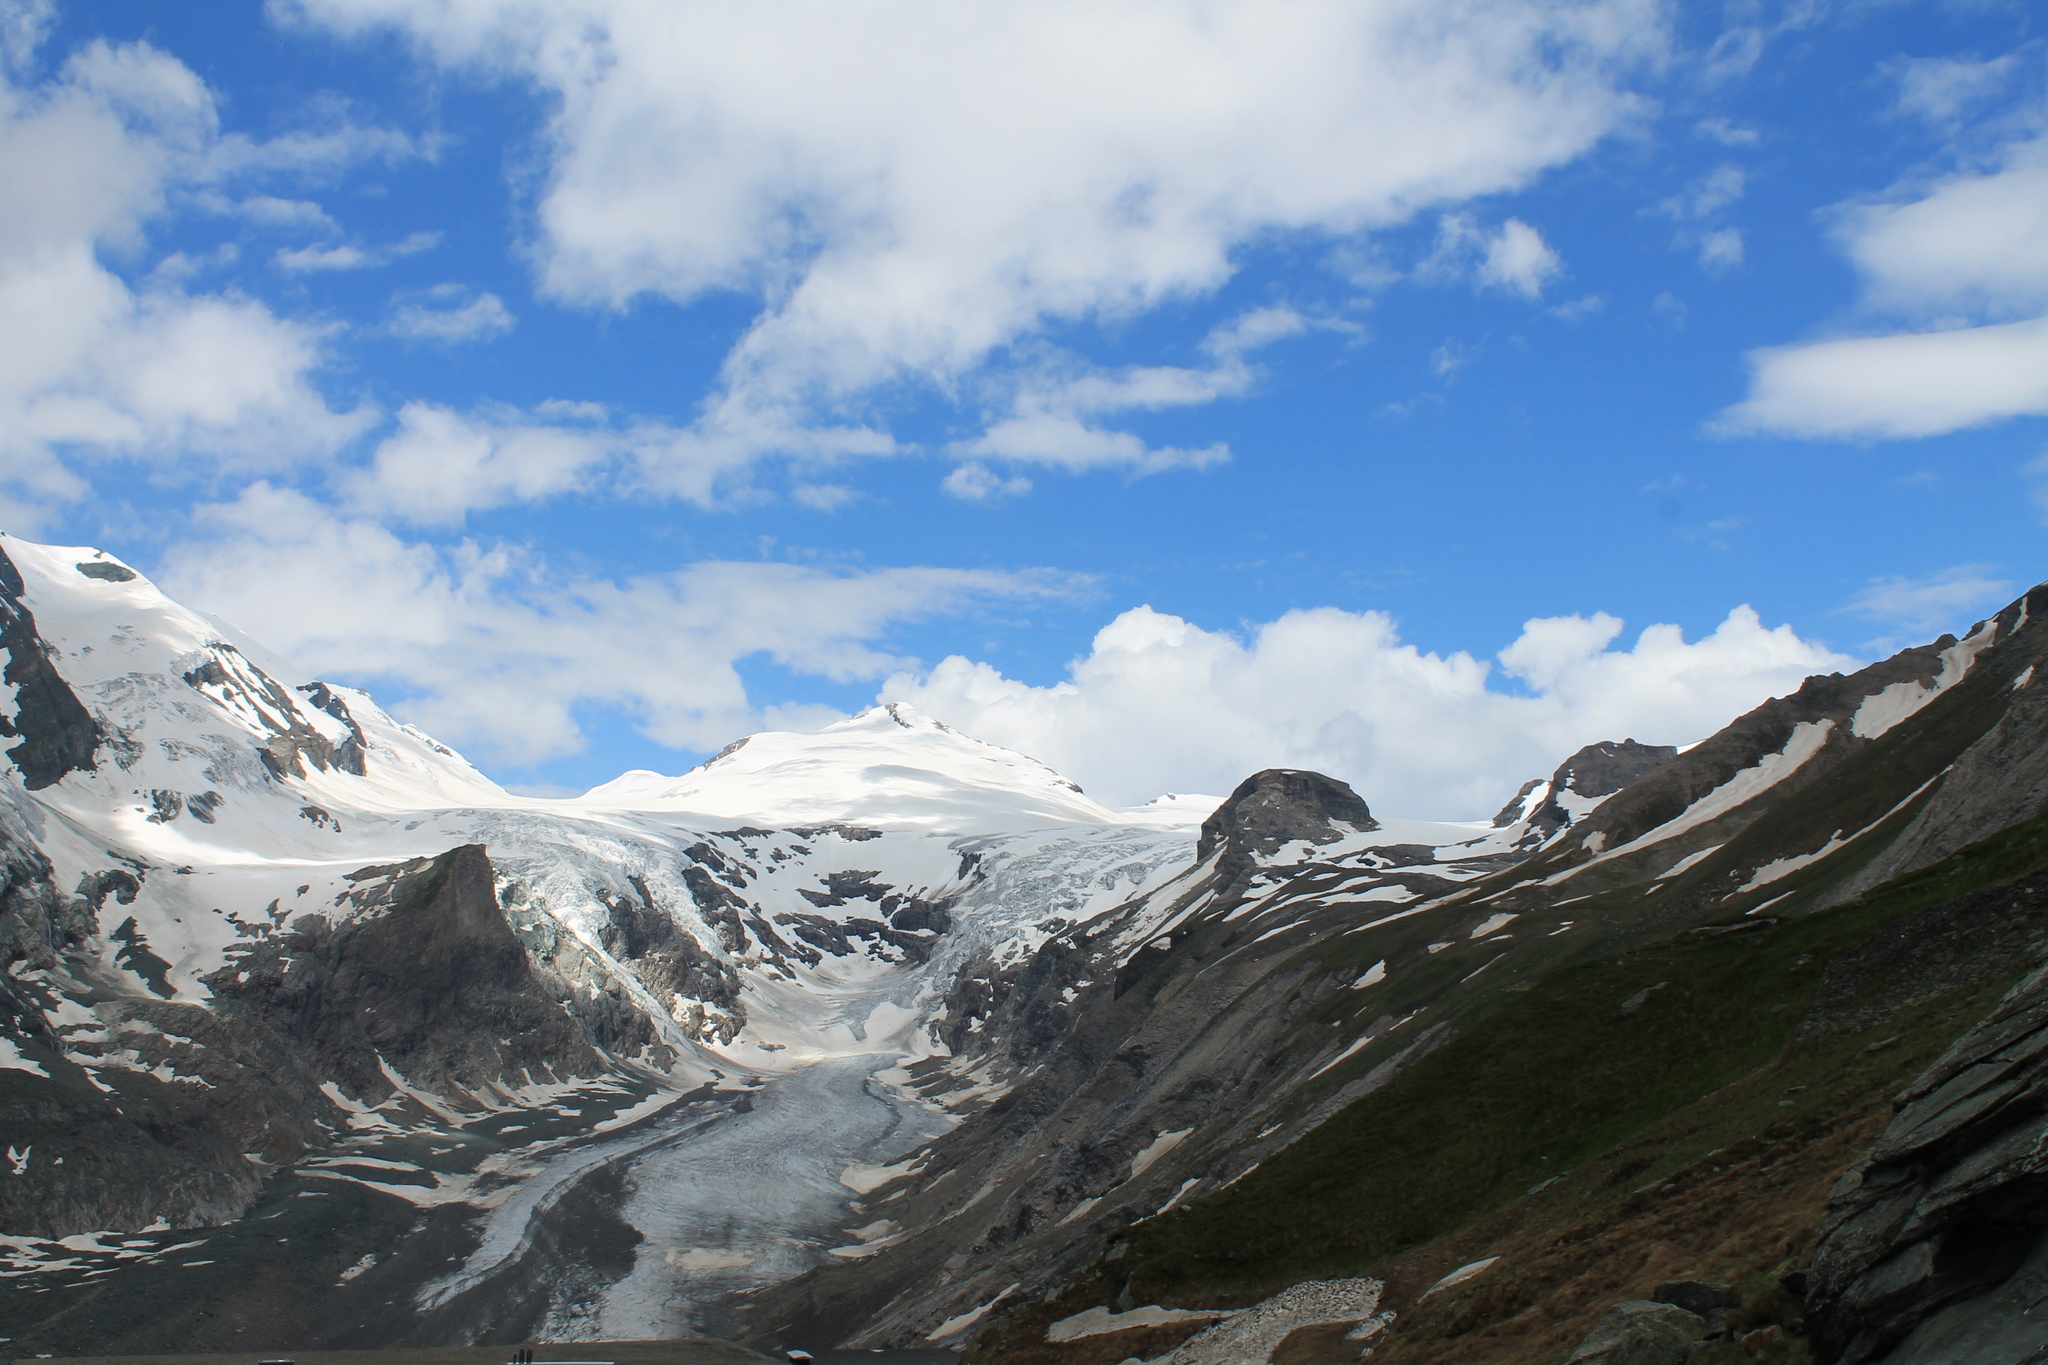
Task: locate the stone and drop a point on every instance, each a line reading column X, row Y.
column 1939, row 1236
column 1695, row 1296
column 1641, row 1332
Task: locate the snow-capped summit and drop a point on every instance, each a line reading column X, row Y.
column 889, row 766
column 183, row 729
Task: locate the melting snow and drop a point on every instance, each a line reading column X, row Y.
column 12, row 1060
column 1161, row 1145
column 1097, row 1321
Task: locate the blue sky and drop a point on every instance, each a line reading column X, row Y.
column 598, row 381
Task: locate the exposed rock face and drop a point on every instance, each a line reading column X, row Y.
column 435, row 985
column 151, row 1108
column 57, row 734
column 1592, row 774
column 1279, row 806
column 2001, row 778
column 1935, row 1247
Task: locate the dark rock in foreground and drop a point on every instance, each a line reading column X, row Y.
column 1936, row 1246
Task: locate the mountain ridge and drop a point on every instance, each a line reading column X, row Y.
column 990, row 1030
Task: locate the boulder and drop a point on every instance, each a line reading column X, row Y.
column 1695, row 1296
column 1935, row 1247
column 1641, row 1332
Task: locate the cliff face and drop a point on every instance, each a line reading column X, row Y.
column 425, row 977
column 1935, row 1247
column 138, row 1110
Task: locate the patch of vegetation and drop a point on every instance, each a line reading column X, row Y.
column 1541, row 1087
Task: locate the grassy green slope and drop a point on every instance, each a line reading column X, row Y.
column 1542, row 1085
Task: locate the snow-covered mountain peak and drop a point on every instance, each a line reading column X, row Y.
column 175, row 717
column 889, row 766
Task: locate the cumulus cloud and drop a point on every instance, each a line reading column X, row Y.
column 1093, row 162
column 93, row 365
column 1512, row 257
column 490, row 649
column 1963, row 265
column 976, row 482
column 1159, row 704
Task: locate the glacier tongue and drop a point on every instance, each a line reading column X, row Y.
column 791, row 924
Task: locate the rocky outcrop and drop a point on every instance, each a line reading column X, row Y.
column 1592, row 774
column 57, row 734
column 1936, row 1246
column 2000, row 779
column 1276, row 807
column 432, row 984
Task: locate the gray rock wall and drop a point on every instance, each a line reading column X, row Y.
column 1936, row 1245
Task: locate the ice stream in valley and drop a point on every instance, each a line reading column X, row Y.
column 725, row 1197
column 756, row 1197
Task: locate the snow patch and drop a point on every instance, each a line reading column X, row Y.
column 12, row 1060
column 1161, row 1145
column 1097, row 1321
column 706, row 1258
column 1688, row 862
column 1459, row 1276
column 1806, row 740
column 1885, row 709
column 954, row 1325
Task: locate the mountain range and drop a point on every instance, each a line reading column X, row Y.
column 312, row 1036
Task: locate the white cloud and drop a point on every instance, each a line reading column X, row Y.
column 1721, row 250
column 1941, row 89
column 23, row 25
column 976, row 482
column 491, row 650
column 1261, row 327
column 1726, row 133
column 1974, row 244
column 1963, row 265
column 1715, row 191
column 1093, row 162
column 440, row 465
column 1159, row 704
column 449, row 313
column 1944, row 601
column 346, row 257
column 824, row 497
column 1910, row 384
column 1582, row 307
column 1513, row 257
column 272, row 211
column 94, row 366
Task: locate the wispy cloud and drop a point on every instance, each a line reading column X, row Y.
column 348, row 257
column 449, row 314
column 1943, row 601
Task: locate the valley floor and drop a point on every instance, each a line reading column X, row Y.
column 510, row 1228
